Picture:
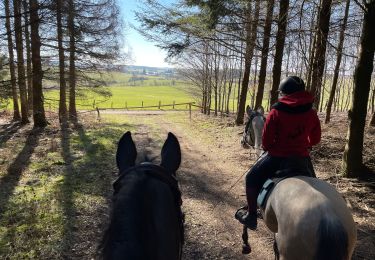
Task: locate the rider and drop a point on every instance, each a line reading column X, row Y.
column 291, row 128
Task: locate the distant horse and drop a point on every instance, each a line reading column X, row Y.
column 252, row 135
column 146, row 220
column 309, row 218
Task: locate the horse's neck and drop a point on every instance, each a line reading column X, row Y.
column 151, row 221
column 257, row 125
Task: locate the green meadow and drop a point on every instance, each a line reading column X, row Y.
column 126, row 96
column 126, row 90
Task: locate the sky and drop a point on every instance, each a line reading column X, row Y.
column 144, row 53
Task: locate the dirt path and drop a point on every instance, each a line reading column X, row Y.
column 207, row 173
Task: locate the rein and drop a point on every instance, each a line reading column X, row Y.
column 238, row 179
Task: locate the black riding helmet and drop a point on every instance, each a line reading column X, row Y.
column 291, row 84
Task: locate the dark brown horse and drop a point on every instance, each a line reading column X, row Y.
column 146, row 220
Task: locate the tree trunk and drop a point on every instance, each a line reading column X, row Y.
column 372, row 120
column 287, row 60
column 253, row 94
column 312, row 44
column 239, row 79
column 230, row 86
column 323, row 89
column 28, row 56
column 280, row 42
column 12, row 70
column 265, row 49
column 216, row 81
column 38, row 108
column 251, row 34
column 20, row 60
column 72, row 66
column 373, row 97
column 352, row 163
column 205, row 79
column 320, row 50
column 62, row 104
column 338, row 62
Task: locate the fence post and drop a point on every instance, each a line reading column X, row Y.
column 190, row 111
column 126, row 105
column 142, row 103
column 97, row 110
column 159, row 104
column 173, row 104
column 112, row 105
column 93, row 104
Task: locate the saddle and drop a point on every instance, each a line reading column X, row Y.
column 291, row 167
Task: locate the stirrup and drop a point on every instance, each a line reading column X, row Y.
column 247, row 219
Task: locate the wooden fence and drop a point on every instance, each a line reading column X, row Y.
column 189, row 106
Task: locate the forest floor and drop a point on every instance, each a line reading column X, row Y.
column 55, row 185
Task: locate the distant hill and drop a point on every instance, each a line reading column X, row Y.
column 145, row 70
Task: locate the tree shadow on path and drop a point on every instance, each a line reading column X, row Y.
column 7, row 131
column 9, row 182
column 89, row 177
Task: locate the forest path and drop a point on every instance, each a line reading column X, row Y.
column 211, row 178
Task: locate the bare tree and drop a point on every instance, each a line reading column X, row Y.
column 280, row 42
column 338, row 62
column 264, row 57
column 352, row 164
column 320, row 49
column 12, row 70
column 20, row 60
column 28, row 55
column 251, row 35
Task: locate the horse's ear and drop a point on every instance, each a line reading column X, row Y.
column 260, row 110
column 126, row 152
column 248, row 110
column 171, row 154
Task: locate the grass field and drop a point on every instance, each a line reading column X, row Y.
column 123, row 97
column 127, row 90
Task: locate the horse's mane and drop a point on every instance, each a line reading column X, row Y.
column 130, row 196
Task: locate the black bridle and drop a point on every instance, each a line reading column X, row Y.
column 160, row 173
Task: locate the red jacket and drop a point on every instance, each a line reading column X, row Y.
column 292, row 126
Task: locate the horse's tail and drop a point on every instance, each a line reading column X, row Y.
column 332, row 240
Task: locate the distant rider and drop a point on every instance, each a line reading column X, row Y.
column 291, row 128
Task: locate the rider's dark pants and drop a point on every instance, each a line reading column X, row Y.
column 265, row 168
column 262, row 170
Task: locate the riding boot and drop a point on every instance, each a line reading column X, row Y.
column 251, row 197
column 249, row 217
